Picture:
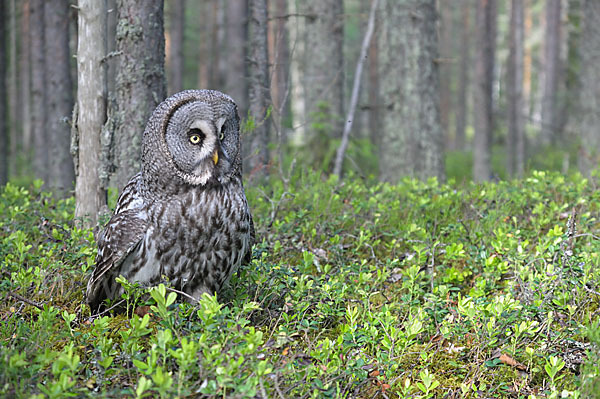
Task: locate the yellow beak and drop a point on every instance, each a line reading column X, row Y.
column 215, row 157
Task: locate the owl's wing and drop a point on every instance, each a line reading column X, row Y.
column 122, row 234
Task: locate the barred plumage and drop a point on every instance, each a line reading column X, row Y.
column 184, row 218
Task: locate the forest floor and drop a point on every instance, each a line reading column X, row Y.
column 356, row 289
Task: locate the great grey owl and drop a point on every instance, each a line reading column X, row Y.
column 184, row 218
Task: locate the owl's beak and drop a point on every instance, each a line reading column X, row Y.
column 215, row 157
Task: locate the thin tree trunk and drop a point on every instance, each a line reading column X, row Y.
column 175, row 46
column 572, row 69
column 140, row 84
column 279, row 53
column 527, row 61
column 38, row 90
column 463, row 76
column 14, row 105
column 412, row 137
column 339, row 159
column 3, row 108
column 204, row 59
column 25, row 81
column 59, row 101
column 374, row 103
column 589, row 156
column 236, row 81
column 482, row 93
column 515, row 142
column 446, row 35
column 297, row 28
column 91, row 105
column 551, row 72
column 259, row 86
column 323, row 74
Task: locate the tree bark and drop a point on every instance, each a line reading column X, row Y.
column 527, row 61
column 572, row 70
column 14, row 105
column 111, row 46
column 279, row 53
column 59, row 100
column 551, row 73
column 3, row 107
column 373, row 88
column 482, row 93
column 140, row 82
column 38, row 90
column 589, row 156
column 90, row 197
column 205, row 42
column 463, row 76
column 323, row 75
column 412, row 137
column 25, row 82
column 259, row 87
column 515, row 141
column 446, row 51
column 175, row 46
column 236, row 81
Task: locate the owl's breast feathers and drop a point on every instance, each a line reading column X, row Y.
column 200, row 237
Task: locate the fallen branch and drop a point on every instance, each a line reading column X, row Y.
column 28, row 301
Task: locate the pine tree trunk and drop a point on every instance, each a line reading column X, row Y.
column 373, row 90
column 204, row 58
column 59, row 100
column 515, row 144
column 218, row 51
column 412, row 137
column 551, row 72
column 236, row 80
column 140, row 84
column 572, row 70
column 259, row 87
column 482, row 93
column 279, row 53
column 589, row 156
column 3, row 107
column 527, row 61
column 38, row 90
column 463, row 76
column 25, row 81
column 14, row 105
column 90, row 197
column 323, row 73
column 175, row 45
column 445, row 44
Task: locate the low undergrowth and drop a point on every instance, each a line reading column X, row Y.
column 356, row 289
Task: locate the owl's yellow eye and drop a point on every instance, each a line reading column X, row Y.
column 196, row 136
column 195, row 139
column 221, row 136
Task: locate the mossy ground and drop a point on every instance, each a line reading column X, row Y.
column 356, row 289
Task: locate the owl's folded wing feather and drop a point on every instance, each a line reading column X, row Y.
column 122, row 234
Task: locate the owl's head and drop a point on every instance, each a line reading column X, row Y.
column 197, row 138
